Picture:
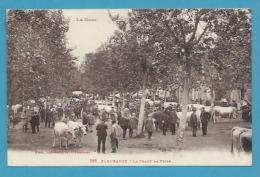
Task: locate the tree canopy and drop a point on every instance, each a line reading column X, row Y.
column 39, row 62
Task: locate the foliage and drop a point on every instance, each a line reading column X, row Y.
column 39, row 62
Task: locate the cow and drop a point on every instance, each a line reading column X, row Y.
column 241, row 140
column 158, row 117
column 198, row 113
column 223, row 111
column 197, row 106
column 79, row 130
column 62, row 131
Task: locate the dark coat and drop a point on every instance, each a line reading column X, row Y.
column 172, row 117
column 124, row 123
column 49, row 115
column 35, row 120
column 104, row 115
column 149, row 125
column 112, row 115
column 60, row 112
column 133, row 123
column 193, row 120
column 101, row 130
column 160, row 116
column 91, row 119
column 42, row 113
column 205, row 117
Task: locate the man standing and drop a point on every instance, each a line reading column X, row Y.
column 194, row 122
column 173, row 119
column 42, row 113
column 132, row 124
column 60, row 112
column 48, row 117
column 91, row 121
column 28, row 116
column 165, row 121
column 35, row 121
column 104, row 114
column 112, row 114
column 85, row 120
column 125, row 121
column 204, row 116
column 101, row 134
column 24, row 120
column 115, row 133
column 149, row 126
column 95, row 111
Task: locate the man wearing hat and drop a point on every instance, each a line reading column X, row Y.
column 165, row 120
column 194, row 122
column 112, row 114
column 115, row 134
column 102, row 134
column 149, row 126
column 172, row 119
column 205, row 117
column 104, row 114
column 35, row 121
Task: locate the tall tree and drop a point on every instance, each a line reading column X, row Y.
column 184, row 36
column 39, row 62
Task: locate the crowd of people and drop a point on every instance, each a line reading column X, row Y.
column 114, row 123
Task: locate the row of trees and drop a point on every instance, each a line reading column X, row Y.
column 39, row 62
column 183, row 47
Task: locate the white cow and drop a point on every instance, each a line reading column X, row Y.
column 224, row 110
column 62, row 131
column 197, row 106
column 79, row 130
column 208, row 108
column 198, row 113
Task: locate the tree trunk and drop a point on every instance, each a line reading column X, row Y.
column 114, row 100
column 154, row 95
column 142, row 107
column 106, row 101
column 243, row 90
column 183, row 120
column 10, row 103
column 123, row 97
column 154, row 98
column 165, row 92
column 212, row 93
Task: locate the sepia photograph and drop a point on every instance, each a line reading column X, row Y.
column 129, row 87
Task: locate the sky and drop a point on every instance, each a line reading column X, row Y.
column 88, row 29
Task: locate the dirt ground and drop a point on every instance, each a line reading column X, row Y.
column 218, row 138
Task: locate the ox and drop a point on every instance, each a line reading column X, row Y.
column 241, row 140
column 62, row 131
column 223, row 111
column 197, row 106
column 198, row 113
column 79, row 130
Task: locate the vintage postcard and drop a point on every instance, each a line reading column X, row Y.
column 129, row 87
